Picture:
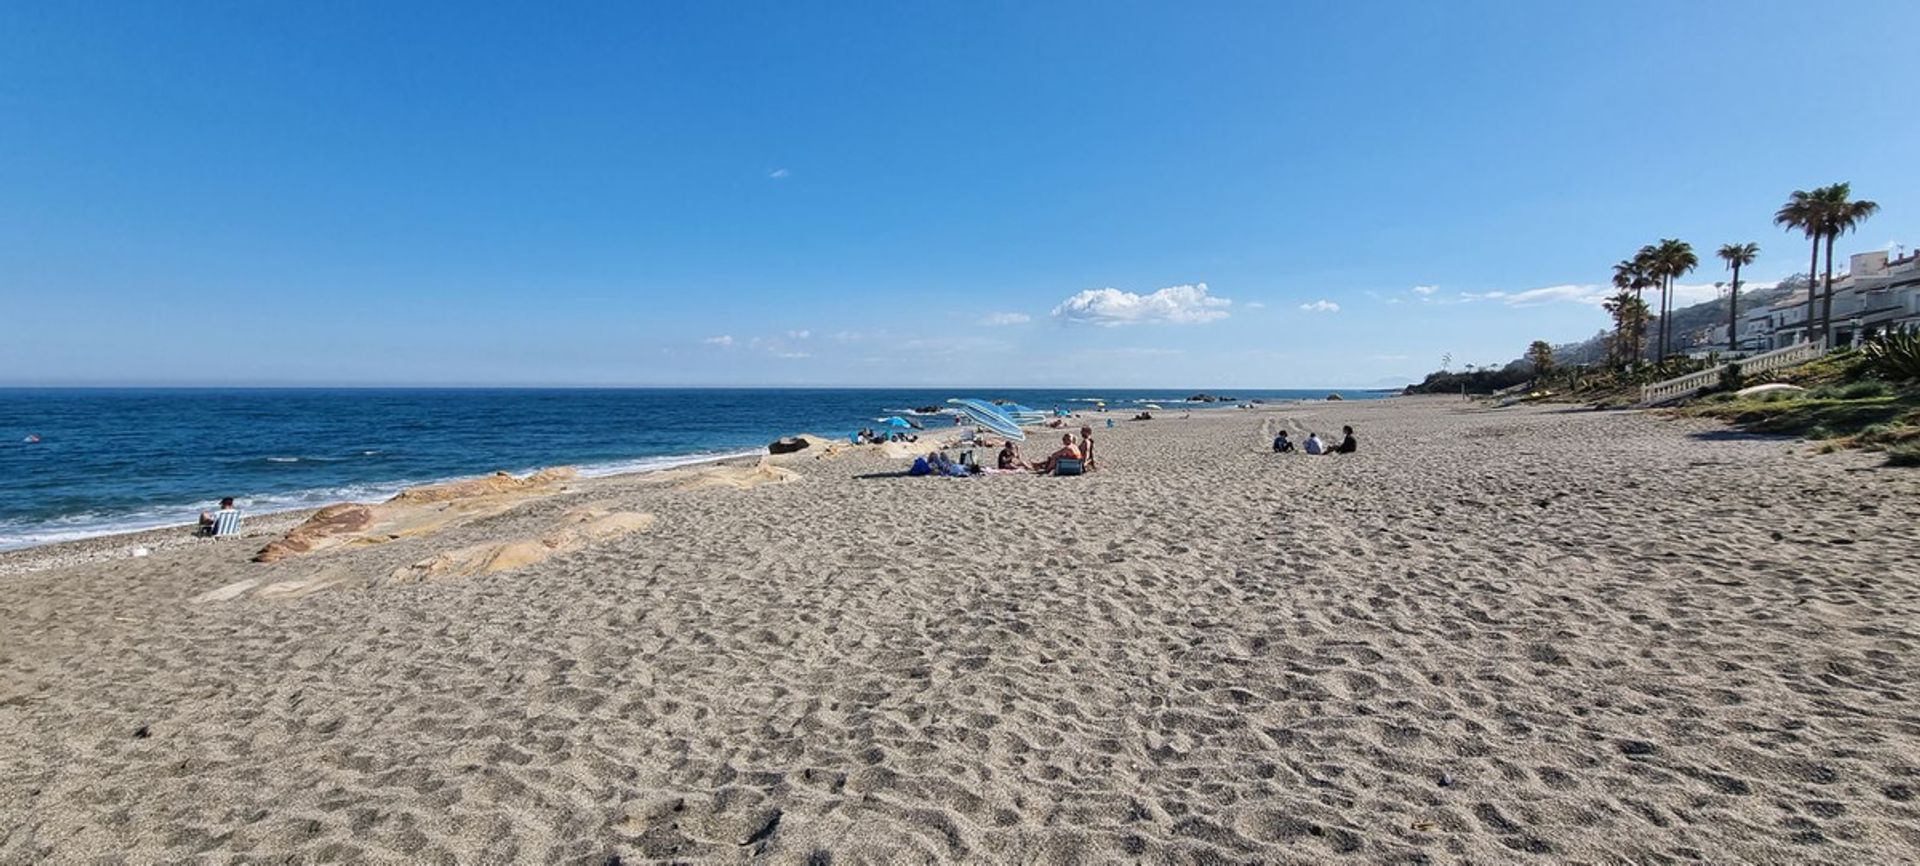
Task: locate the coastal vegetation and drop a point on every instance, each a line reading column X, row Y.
column 1866, row 398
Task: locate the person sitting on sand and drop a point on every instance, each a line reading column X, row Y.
column 1314, row 445
column 1067, row 451
column 210, row 522
column 1281, row 444
column 1010, row 456
column 1347, row 445
column 1086, row 446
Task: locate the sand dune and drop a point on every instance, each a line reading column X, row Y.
column 1524, row 635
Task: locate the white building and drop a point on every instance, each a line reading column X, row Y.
column 1876, row 294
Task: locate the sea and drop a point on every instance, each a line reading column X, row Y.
column 81, row 462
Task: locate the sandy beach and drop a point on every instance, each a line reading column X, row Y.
column 1531, row 634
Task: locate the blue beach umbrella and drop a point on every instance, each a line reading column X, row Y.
column 895, row 421
column 989, row 416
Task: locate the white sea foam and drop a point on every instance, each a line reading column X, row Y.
column 15, row 534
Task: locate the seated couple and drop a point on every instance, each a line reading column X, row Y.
column 1348, row 445
column 1081, row 452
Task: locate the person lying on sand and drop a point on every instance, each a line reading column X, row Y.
column 1067, row 451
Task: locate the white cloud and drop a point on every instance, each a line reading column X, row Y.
column 779, row 174
column 1254, row 305
column 1130, row 352
column 1593, row 294
column 1321, row 306
column 1174, row 304
column 1425, row 290
column 800, row 334
column 1006, row 319
column 724, row 341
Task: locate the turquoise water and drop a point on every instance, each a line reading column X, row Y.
column 112, row 460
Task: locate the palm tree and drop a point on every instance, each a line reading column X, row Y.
column 1802, row 211
column 1630, row 275
column 1648, row 260
column 1629, row 323
column 1672, row 259
column 1736, row 255
column 1837, row 217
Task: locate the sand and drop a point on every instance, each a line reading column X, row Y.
column 1517, row 635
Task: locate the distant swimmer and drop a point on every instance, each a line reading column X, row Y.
column 33, row 439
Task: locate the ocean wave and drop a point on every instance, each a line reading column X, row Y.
column 16, row 534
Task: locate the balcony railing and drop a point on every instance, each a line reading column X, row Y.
column 1693, row 383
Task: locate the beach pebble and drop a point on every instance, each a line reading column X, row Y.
column 142, row 732
column 141, row 551
column 1446, row 780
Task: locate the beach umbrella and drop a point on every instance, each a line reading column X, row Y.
column 1022, row 414
column 895, row 421
column 989, row 416
column 1153, row 406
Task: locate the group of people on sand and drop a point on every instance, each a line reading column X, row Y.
column 876, row 437
column 1314, row 445
column 1070, row 449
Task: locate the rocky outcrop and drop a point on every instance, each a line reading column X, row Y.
column 787, row 445
column 491, row 485
column 414, row 511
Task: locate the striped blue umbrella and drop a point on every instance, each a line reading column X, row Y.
column 989, row 416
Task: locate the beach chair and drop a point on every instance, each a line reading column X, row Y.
column 226, row 523
column 1069, row 466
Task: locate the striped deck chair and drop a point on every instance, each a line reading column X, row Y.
column 226, row 522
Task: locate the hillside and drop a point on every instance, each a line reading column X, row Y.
column 1690, row 324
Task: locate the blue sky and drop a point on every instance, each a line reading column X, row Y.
column 897, row 194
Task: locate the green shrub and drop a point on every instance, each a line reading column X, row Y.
column 1731, row 379
column 1895, row 356
column 1865, row 390
column 1905, row 455
column 1820, row 431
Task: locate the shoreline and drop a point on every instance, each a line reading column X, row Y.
column 93, row 544
column 267, row 524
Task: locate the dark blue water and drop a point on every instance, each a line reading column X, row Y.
column 112, row 460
